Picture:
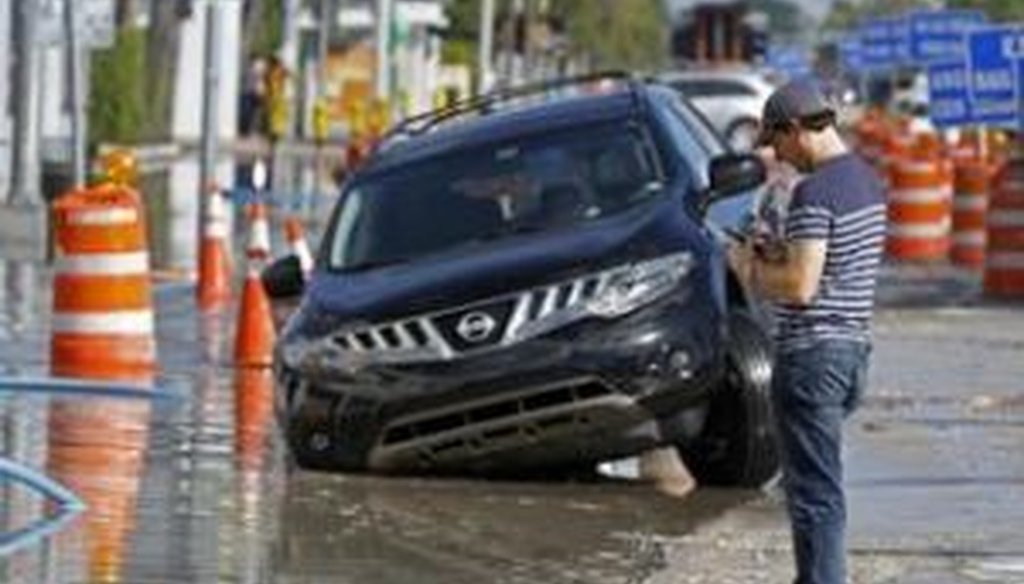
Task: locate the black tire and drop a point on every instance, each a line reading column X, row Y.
column 737, row 446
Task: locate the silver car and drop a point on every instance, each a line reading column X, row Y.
column 731, row 100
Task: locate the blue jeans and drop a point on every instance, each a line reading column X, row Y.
column 814, row 389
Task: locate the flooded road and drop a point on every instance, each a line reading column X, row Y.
column 192, row 484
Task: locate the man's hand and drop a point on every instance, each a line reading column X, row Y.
column 741, row 260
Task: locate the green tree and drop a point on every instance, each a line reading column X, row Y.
column 263, row 22
column 785, row 19
column 598, row 30
column 847, row 14
column 117, row 104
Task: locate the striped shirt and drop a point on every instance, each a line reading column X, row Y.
column 843, row 203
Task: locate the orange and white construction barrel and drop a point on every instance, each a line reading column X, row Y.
column 1004, row 262
column 971, row 181
column 920, row 204
column 102, row 323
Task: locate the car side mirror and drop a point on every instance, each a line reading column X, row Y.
column 284, row 278
column 732, row 174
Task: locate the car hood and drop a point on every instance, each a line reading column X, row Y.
column 482, row 271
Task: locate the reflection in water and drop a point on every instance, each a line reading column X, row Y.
column 253, row 424
column 22, row 303
column 358, row 530
column 23, row 440
column 97, row 449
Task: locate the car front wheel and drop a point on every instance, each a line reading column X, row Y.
column 737, row 446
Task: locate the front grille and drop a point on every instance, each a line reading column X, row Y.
column 487, row 413
column 443, row 335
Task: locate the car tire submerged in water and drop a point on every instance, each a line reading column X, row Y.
column 737, row 446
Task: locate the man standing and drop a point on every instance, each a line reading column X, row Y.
column 821, row 280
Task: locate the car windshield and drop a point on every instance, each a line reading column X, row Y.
column 535, row 184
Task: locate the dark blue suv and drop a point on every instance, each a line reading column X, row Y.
column 532, row 281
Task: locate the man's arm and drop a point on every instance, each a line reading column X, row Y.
column 793, row 279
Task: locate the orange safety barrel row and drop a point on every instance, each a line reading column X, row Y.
column 971, row 180
column 102, row 323
column 920, row 203
column 1004, row 264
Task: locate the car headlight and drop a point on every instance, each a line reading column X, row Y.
column 640, row 284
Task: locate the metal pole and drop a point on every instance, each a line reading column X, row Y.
column 323, row 45
column 211, row 113
column 25, row 162
column 384, row 10
column 485, row 56
column 73, row 61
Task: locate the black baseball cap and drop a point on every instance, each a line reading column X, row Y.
column 791, row 104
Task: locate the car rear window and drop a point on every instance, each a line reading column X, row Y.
column 541, row 183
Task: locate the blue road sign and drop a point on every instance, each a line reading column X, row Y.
column 850, row 55
column 949, row 102
column 995, row 56
column 793, row 60
column 939, row 35
column 884, row 43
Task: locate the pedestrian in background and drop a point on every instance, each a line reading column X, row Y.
column 822, row 289
column 253, row 94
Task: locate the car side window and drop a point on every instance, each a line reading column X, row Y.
column 698, row 144
column 692, row 148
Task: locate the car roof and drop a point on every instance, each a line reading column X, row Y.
column 515, row 121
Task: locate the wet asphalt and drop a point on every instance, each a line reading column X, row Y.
column 192, row 485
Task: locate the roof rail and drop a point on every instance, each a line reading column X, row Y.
column 483, row 103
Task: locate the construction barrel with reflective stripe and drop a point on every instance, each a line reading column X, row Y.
column 102, row 305
column 971, row 180
column 1004, row 262
column 897, row 144
column 920, row 201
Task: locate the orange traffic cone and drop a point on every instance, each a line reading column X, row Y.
column 102, row 305
column 214, row 287
column 295, row 234
column 254, row 338
column 258, row 246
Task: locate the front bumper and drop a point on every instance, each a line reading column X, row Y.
column 594, row 390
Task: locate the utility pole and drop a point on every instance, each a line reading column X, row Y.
column 485, row 55
column 384, row 11
column 25, row 171
column 323, row 44
column 211, row 115
column 518, row 46
column 73, row 61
